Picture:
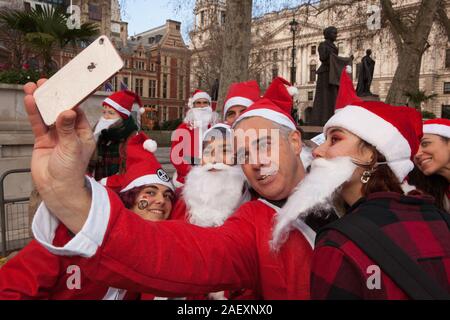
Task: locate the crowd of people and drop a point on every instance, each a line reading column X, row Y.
column 253, row 211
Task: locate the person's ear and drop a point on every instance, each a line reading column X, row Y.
column 295, row 141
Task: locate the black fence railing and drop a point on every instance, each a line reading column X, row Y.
column 14, row 218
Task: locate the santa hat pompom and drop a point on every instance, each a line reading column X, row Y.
column 150, row 145
column 141, row 110
column 190, row 103
column 348, row 69
column 293, row 91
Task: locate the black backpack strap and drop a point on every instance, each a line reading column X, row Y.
column 407, row 274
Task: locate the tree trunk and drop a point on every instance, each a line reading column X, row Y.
column 237, row 44
column 406, row 77
column 411, row 43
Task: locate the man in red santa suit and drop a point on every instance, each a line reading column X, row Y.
column 240, row 96
column 234, row 255
column 36, row 273
column 186, row 139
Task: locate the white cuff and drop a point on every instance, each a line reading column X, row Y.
column 91, row 236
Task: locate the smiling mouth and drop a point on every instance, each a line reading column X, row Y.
column 264, row 177
column 425, row 161
column 156, row 211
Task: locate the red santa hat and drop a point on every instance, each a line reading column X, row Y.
column 123, row 101
column 142, row 167
column 394, row 131
column 198, row 94
column 242, row 94
column 276, row 104
column 440, row 127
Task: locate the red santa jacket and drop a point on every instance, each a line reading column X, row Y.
column 185, row 148
column 341, row 269
column 180, row 212
column 35, row 273
column 184, row 259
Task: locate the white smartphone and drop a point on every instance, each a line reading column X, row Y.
column 78, row 79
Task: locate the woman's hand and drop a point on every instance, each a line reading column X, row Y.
column 59, row 161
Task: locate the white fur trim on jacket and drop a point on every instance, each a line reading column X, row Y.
column 378, row 132
column 439, row 129
column 236, row 101
column 89, row 239
column 268, row 114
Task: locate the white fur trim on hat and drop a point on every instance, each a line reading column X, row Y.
column 378, row 132
column 268, row 114
column 150, row 145
column 148, row 179
column 116, row 106
column 201, row 95
column 293, row 91
column 439, row 129
column 236, row 101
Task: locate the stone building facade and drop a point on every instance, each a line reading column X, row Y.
column 353, row 38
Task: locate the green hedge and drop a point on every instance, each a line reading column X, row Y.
column 19, row 76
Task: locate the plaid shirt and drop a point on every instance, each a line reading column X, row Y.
column 341, row 270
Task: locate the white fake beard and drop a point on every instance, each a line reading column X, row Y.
column 212, row 196
column 200, row 117
column 313, row 193
column 103, row 124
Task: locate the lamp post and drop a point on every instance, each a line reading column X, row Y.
column 294, row 27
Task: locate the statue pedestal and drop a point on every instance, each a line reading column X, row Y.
column 371, row 98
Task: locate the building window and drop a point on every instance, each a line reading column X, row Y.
column 310, row 95
column 152, row 88
column 164, row 88
column 95, row 12
column 313, row 50
column 202, row 18
column 445, row 111
column 114, row 83
column 447, row 58
column 358, row 70
column 222, row 17
column 140, row 65
column 139, row 85
column 125, row 81
column 181, row 88
column 165, row 114
column 312, row 73
column 274, row 72
column 446, row 87
column 275, row 56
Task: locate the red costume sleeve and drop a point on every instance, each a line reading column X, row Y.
column 172, row 258
column 31, row 274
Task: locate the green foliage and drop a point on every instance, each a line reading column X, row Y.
column 14, row 76
column 428, row 115
column 45, row 30
column 416, row 98
column 171, row 124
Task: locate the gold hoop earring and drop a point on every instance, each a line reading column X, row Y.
column 366, row 176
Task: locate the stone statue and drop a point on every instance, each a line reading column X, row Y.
column 327, row 84
column 365, row 75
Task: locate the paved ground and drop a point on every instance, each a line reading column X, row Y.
column 163, row 156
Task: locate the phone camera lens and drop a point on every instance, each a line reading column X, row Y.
column 101, row 41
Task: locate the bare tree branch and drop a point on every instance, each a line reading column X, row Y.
column 443, row 19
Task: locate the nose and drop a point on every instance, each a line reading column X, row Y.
column 159, row 198
column 318, row 152
column 418, row 154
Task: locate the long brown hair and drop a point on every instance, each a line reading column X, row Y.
column 382, row 178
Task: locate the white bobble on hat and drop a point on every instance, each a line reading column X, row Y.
column 141, row 110
column 293, row 91
column 150, row 145
column 348, row 69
